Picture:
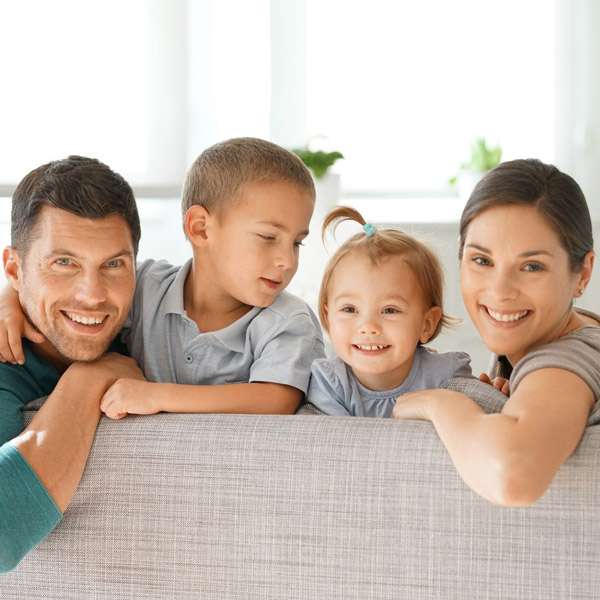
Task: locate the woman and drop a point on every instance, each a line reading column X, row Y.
column 526, row 252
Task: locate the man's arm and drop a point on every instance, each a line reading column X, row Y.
column 43, row 465
column 128, row 396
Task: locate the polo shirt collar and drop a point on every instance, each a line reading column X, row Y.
column 233, row 336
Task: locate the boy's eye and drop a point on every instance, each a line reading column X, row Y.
column 298, row 244
column 267, row 238
column 533, row 267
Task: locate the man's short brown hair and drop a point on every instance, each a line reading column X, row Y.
column 217, row 175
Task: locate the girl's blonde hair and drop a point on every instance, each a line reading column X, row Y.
column 379, row 245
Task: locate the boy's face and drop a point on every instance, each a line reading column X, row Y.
column 253, row 247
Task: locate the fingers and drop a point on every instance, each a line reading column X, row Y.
column 16, row 345
column 6, row 354
column 32, row 334
column 485, row 378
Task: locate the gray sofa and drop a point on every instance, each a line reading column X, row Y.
column 303, row 507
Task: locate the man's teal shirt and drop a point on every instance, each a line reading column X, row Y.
column 27, row 512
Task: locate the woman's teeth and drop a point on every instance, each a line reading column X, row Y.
column 506, row 317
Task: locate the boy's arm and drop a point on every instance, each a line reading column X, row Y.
column 128, row 396
column 13, row 326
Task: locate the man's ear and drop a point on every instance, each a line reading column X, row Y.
column 12, row 267
column 430, row 322
column 196, row 223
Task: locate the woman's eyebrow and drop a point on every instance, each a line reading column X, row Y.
column 525, row 254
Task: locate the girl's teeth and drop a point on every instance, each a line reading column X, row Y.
column 370, row 347
column 84, row 320
column 506, row 317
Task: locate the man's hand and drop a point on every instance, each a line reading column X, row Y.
column 499, row 383
column 128, row 396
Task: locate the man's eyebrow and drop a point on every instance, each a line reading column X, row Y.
column 526, row 254
column 66, row 252
column 280, row 226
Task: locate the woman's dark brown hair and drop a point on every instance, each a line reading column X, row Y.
column 554, row 194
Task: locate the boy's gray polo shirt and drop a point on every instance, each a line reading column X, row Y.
column 334, row 389
column 276, row 344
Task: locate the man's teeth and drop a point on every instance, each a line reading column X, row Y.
column 371, row 347
column 506, row 317
column 85, row 320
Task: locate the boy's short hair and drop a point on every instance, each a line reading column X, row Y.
column 217, row 175
column 82, row 186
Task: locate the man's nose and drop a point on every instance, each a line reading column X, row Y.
column 91, row 289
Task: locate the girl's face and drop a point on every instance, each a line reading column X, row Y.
column 376, row 317
column 516, row 280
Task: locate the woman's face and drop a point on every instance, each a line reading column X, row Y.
column 516, row 280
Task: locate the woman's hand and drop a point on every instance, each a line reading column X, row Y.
column 500, row 383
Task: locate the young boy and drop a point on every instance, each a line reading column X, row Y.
column 221, row 330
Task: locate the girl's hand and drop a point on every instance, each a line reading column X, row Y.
column 13, row 326
column 499, row 383
column 128, row 397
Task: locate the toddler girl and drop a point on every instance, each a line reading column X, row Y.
column 380, row 301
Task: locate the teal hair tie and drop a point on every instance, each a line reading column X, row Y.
column 369, row 229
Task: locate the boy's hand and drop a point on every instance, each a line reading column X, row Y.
column 128, row 396
column 14, row 325
column 499, row 383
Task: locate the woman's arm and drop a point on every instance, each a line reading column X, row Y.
column 509, row 458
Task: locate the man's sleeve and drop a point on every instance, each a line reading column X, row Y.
column 27, row 512
column 288, row 355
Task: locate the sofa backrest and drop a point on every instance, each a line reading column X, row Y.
column 274, row 507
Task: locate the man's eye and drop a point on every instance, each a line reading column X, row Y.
column 115, row 263
column 63, row 261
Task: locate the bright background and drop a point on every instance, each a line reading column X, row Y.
column 400, row 87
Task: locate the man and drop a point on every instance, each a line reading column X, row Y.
column 74, row 238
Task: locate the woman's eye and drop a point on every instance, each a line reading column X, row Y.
column 533, row 267
column 481, row 260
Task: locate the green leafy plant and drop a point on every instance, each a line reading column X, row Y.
column 317, row 161
column 483, row 158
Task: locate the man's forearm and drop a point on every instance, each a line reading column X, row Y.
column 58, row 440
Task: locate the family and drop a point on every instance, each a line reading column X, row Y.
column 82, row 324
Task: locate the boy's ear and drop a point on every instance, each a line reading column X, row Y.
column 12, row 270
column 195, row 224
column 430, row 322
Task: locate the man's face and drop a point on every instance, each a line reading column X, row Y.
column 76, row 281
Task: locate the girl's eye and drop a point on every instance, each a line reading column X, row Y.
column 391, row 310
column 533, row 267
column 481, row 261
column 348, row 309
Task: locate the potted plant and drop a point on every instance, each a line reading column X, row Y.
column 318, row 161
column 483, row 159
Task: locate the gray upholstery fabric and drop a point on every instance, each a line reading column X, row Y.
column 303, row 507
